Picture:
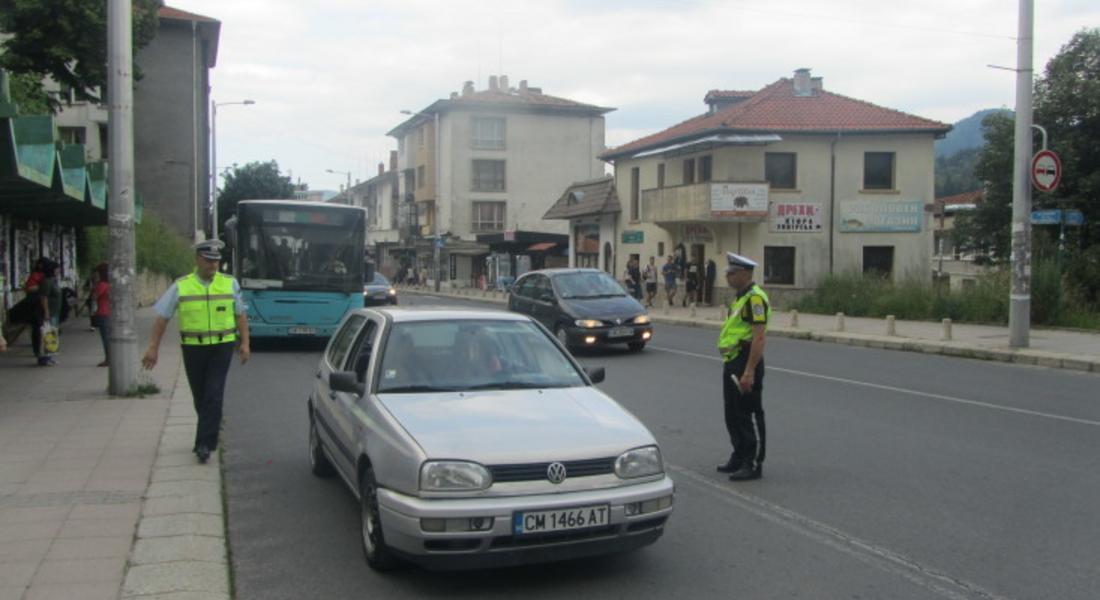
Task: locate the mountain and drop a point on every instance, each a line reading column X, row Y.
column 966, row 134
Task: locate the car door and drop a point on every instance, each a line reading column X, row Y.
column 519, row 300
column 330, row 417
column 544, row 303
column 348, row 405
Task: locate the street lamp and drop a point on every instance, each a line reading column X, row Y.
column 214, row 158
column 347, row 190
column 438, row 193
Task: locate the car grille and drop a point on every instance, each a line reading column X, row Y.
column 511, row 541
column 537, row 471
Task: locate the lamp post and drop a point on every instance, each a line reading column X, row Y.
column 438, row 193
column 347, row 190
column 214, row 159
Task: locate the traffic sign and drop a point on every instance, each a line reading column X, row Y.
column 1046, row 217
column 1046, row 171
column 1074, row 218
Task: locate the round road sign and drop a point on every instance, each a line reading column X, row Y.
column 1046, row 171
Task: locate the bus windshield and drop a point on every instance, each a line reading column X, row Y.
column 300, row 248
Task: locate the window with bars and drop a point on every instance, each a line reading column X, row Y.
column 488, row 216
column 488, row 176
column 488, row 133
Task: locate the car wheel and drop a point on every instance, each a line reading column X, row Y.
column 635, row 346
column 562, row 335
column 377, row 553
column 318, row 462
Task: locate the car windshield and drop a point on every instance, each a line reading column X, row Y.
column 587, row 284
column 379, row 279
column 472, row 354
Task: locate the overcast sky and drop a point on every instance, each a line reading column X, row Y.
column 330, row 77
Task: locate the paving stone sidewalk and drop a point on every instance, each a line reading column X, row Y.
column 100, row 497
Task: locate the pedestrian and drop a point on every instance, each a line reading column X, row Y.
column 649, row 275
column 101, row 316
column 691, row 284
column 668, row 270
column 741, row 344
column 47, row 295
column 709, row 278
column 212, row 321
column 636, row 277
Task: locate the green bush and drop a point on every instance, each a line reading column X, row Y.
column 159, row 249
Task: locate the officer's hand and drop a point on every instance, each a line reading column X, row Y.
column 150, row 359
column 245, row 353
column 747, row 380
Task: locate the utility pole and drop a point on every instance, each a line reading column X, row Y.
column 1019, row 315
column 122, row 346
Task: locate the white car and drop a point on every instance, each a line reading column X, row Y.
column 473, row 438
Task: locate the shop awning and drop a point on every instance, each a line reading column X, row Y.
column 541, row 246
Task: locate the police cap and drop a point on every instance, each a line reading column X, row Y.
column 736, row 262
column 210, row 249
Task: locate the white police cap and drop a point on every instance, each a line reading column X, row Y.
column 210, row 249
column 736, row 262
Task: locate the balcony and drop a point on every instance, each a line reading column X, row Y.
column 728, row 201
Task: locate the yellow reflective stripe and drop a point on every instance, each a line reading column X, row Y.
column 204, row 298
column 207, row 333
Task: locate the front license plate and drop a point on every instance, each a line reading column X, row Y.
column 620, row 332
column 561, row 519
column 302, row 331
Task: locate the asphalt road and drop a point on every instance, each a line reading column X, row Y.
column 889, row 475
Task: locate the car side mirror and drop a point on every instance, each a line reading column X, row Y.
column 345, row 381
column 596, row 374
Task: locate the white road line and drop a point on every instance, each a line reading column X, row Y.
column 890, row 388
column 866, row 552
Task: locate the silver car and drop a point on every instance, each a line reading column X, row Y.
column 473, row 438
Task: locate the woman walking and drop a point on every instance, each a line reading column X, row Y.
column 101, row 297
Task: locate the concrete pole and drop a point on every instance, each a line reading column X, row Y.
column 1019, row 315
column 122, row 346
column 214, row 168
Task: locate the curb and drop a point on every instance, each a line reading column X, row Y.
column 1039, row 358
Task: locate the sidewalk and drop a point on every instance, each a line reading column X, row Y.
column 100, row 497
column 1053, row 348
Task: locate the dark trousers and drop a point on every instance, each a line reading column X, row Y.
column 207, row 367
column 103, row 324
column 745, row 411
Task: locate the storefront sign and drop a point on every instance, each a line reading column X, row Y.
column 633, row 236
column 737, row 200
column 881, row 216
column 697, row 234
column 795, row 217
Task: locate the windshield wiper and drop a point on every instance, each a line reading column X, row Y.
column 412, row 389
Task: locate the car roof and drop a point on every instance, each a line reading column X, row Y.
column 405, row 315
column 563, row 271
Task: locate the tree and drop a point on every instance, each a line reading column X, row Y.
column 65, row 40
column 254, row 181
column 955, row 173
column 985, row 230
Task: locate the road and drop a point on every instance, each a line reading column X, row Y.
column 889, row 475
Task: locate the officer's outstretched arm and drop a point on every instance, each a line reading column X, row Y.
column 245, row 349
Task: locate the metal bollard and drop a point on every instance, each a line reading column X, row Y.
column 794, row 318
column 692, row 310
column 721, row 313
column 947, row 330
column 840, row 321
column 891, row 329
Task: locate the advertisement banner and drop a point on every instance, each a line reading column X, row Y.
column 734, row 200
column 881, row 216
column 795, row 217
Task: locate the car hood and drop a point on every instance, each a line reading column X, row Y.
column 518, row 426
column 622, row 307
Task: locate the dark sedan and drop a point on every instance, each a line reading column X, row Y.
column 583, row 307
column 379, row 290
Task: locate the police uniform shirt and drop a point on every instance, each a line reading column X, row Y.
column 168, row 303
column 755, row 310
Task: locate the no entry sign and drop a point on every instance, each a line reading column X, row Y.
column 1046, row 171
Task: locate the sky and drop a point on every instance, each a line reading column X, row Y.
column 330, row 77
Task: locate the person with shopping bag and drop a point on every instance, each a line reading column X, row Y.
column 47, row 318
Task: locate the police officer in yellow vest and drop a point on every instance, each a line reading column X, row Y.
column 741, row 344
column 212, row 322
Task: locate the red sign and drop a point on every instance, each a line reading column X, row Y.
column 1046, row 171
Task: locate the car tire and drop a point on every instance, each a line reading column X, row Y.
column 378, row 555
column 319, row 463
column 635, row 346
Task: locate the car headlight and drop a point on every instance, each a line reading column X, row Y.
column 391, row 292
column 639, row 462
column 641, row 319
column 453, row 476
column 588, row 323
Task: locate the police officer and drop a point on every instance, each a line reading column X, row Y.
column 212, row 321
column 741, row 344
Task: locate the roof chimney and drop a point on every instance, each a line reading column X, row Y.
column 393, row 160
column 816, row 84
column 492, row 83
column 468, row 88
column 504, row 83
column 454, row 95
column 802, row 85
column 522, row 85
column 381, row 168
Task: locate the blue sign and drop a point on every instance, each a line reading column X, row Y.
column 1046, row 217
column 1075, row 218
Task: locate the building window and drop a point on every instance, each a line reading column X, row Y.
column 689, row 171
column 779, row 265
column 660, row 249
column 878, row 170
column 488, row 133
column 878, row 260
column 705, row 163
column 488, row 216
column 71, row 135
column 780, row 170
column 488, row 176
column 661, row 175
column 635, row 181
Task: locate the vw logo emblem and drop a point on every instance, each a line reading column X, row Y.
column 555, row 472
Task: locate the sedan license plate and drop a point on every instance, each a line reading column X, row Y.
column 302, row 331
column 620, row 332
column 561, row 519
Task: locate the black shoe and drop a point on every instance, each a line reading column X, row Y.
column 747, row 473
column 730, row 466
column 203, row 453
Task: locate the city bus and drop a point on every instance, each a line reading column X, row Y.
column 301, row 265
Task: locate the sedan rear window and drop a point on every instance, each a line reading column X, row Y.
column 469, row 354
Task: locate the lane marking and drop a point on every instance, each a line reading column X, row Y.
column 890, row 388
column 864, row 551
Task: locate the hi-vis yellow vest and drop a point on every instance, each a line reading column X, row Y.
column 736, row 329
column 206, row 312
